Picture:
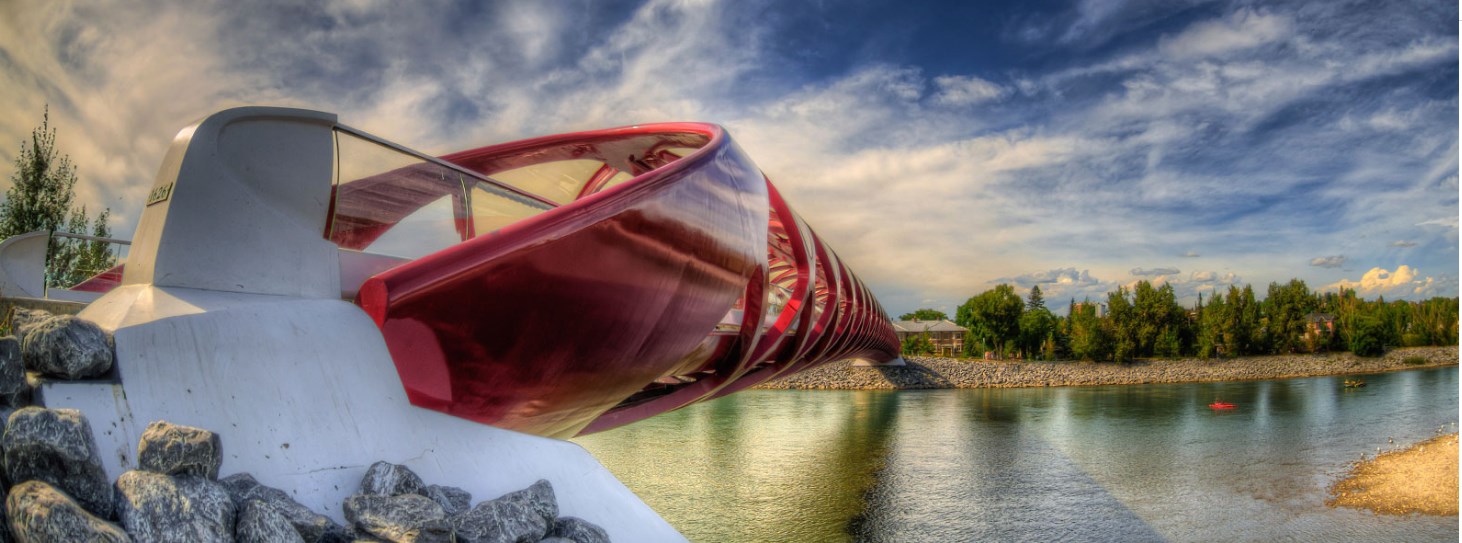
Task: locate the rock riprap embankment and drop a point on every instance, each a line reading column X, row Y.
column 56, row 489
column 929, row 372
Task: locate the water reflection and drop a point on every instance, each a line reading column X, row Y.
column 1138, row 463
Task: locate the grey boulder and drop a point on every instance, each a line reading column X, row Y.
column 171, row 449
column 578, row 530
column 157, row 508
column 39, row 512
column 14, row 390
column 408, row 518
column 23, row 321
column 312, row 527
column 387, row 479
column 260, row 522
column 500, row 521
column 454, row 501
column 67, row 347
column 537, row 497
column 55, row 446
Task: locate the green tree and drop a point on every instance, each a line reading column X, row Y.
column 1035, row 300
column 1122, row 322
column 917, row 344
column 1241, row 327
column 1367, row 337
column 1036, row 326
column 1159, row 326
column 924, row 315
column 1211, row 320
column 40, row 198
column 1090, row 337
column 1285, row 309
column 993, row 316
column 1435, row 321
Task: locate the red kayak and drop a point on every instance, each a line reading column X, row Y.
column 1222, row 405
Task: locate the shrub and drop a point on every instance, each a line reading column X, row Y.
column 1368, row 337
column 918, row 344
column 1413, row 361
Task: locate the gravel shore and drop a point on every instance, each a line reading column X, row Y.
column 1420, row 479
column 926, row 372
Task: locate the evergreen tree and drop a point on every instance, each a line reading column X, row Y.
column 40, row 198
column 1035, row 300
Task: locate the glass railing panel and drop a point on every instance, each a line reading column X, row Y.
column 429, row 229
column 616, row 180
column 493, row 208
column 560, row 180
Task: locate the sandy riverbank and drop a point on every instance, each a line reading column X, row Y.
column 1419, row 479
column 926, row 372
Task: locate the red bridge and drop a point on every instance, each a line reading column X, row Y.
column 574, row 283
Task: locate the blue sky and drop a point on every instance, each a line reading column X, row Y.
column 941, row 148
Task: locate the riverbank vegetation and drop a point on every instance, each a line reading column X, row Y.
column 1146, row 321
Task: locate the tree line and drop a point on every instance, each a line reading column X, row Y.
column 1146, row 321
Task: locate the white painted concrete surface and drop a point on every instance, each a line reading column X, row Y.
column 23, row 265
column 305, row 397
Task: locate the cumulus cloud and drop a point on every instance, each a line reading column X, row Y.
column 1059, row 276
column 1335, row 261
column 1154, row 271
column 1204, row 281
column 1063, row 283
column 1405, row 283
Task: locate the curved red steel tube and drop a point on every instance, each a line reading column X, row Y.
column 613, row 307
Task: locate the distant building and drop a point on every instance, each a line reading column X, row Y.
column 948, row 338
column 1317, row 323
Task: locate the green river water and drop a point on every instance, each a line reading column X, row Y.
column 1121, row 463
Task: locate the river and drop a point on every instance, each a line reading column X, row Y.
column 1121, row 463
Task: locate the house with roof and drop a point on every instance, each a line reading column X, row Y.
column 948, row 338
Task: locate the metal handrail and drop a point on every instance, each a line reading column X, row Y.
column 89, row 238
column 434, row 160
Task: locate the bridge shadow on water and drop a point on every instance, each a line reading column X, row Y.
column 913, row 375
column 956, row 470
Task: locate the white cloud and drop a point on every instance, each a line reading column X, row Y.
column 1059, row 276
column 1447, row 222
column 1334, row 261
column 1406, row 283
column 1206, row 280
column 1243, row 29
column 1403, row 244
column 965, row 90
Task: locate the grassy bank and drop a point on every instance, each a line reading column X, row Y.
column 926, row 372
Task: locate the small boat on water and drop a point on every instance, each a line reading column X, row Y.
column 1222, row 405
column 1355, row 383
